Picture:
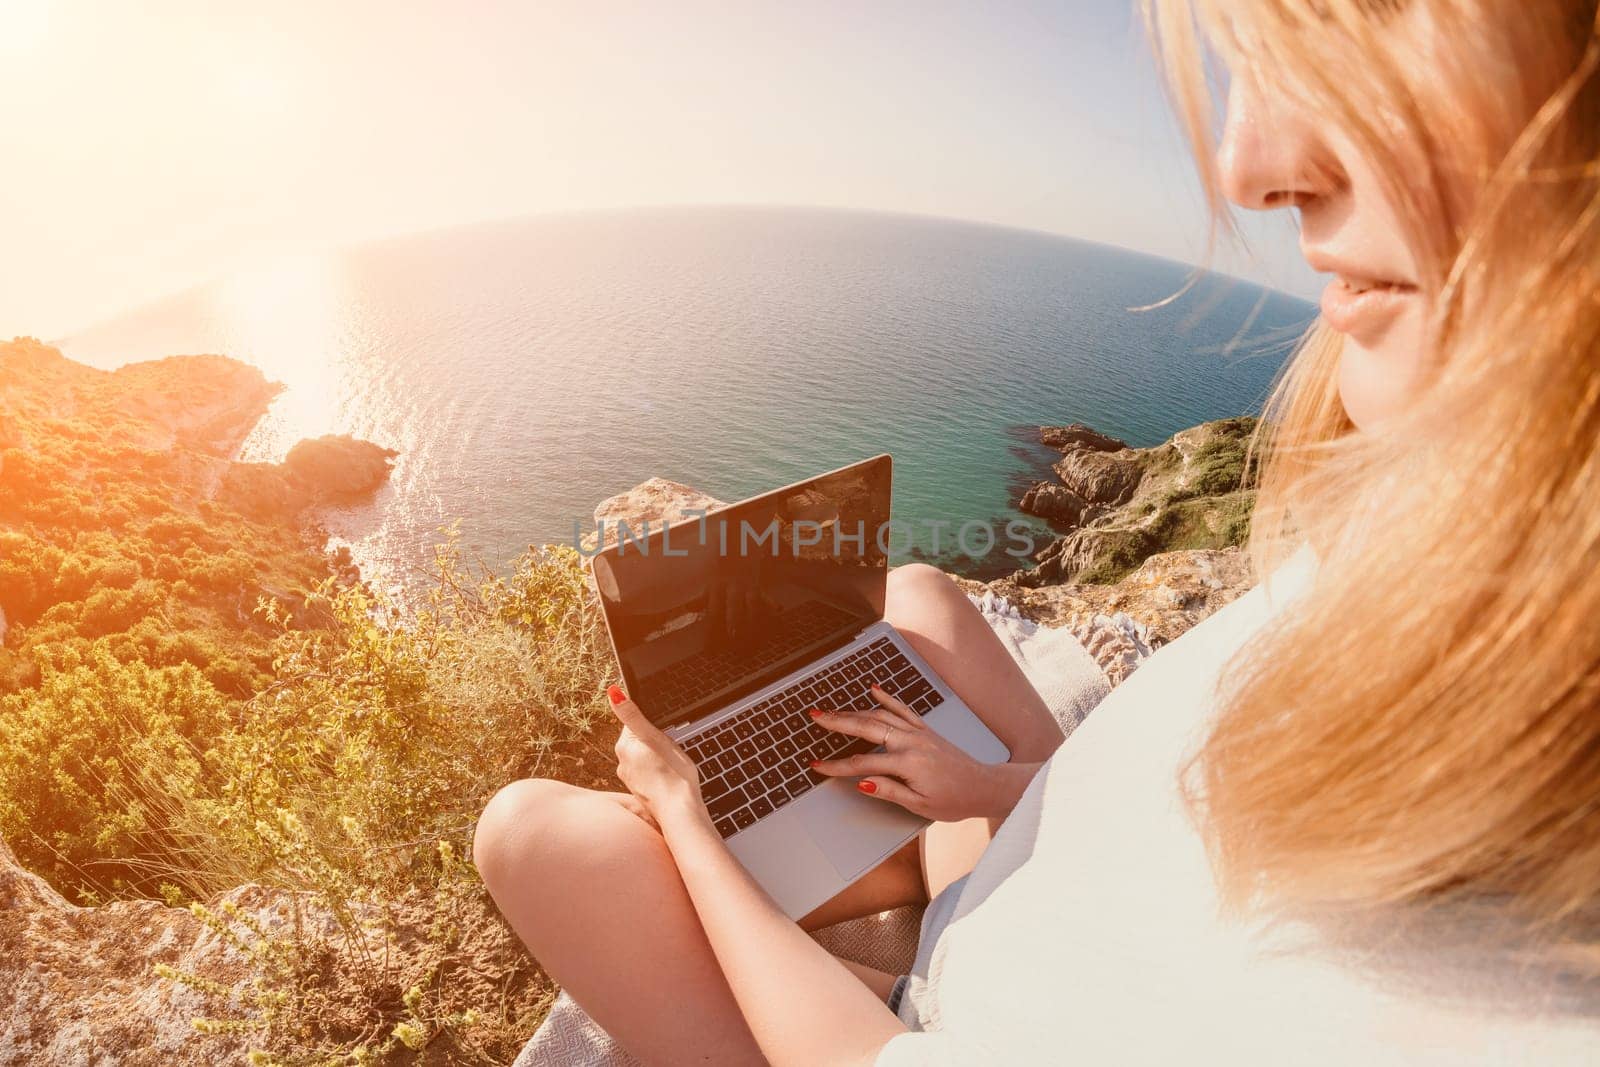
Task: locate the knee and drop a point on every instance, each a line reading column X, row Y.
column 522, row 822
column 921, row 581
column 923, row 598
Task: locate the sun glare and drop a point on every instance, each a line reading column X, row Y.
column 24, row 25
column 257, row 89
column 283, row 314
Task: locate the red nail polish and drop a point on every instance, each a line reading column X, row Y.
column 867, row 786
column 616, row 694
column 816, row 713
column 816, row 763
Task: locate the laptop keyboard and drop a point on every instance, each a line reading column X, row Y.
column 755, row 762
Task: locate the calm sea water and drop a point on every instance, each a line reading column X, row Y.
column 526, row 370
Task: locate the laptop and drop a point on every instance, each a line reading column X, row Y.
column 730, row 627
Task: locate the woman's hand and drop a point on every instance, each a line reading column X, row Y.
column 656, row 771
column 919, row 770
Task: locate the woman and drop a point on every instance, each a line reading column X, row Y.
column 1353, row 817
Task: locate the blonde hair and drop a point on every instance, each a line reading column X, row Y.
column 1423, row 726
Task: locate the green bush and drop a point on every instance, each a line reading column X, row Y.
column 75, row 746
column 356, row 777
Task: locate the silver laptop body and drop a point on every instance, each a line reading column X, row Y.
column 728, row 646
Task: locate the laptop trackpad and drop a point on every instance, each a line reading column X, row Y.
column 853, row 831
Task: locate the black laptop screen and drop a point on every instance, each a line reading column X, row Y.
column 711, row 609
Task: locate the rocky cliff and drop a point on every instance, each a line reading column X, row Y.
column 1116, row 506
column 127, row 528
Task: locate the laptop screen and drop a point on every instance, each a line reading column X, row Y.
column 711, row 609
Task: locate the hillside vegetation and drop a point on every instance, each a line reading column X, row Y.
column 194, row 696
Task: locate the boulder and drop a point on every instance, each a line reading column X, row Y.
column 1077, row 435
column 1053, row 501
column 1104, row 478
column 653, row 501
column 337, row 467
column 646, row 507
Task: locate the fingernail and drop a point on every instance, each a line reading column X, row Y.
column 867, row 786
column 616, row 694
column 816, row 713
column 816, row 763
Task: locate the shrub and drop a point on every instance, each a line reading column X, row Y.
column 74, row 746
column 356, row 777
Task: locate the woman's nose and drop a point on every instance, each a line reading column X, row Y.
column 1271, row 156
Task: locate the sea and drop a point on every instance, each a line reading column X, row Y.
column 525, row 370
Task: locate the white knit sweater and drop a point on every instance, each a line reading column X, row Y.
column 1089, row 931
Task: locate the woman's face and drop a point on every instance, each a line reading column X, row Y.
column 1274, row 157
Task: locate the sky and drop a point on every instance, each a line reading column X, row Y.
column 153, row 146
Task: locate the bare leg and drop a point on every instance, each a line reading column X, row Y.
column 592, row 891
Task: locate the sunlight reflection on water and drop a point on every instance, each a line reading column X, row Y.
column 287, row 316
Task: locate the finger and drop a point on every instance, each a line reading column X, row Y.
column 871, row 724
column 895, row 792
column 863, row 763
column 896, row 705
column 628, row 712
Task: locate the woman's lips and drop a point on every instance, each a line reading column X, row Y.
column 1364, row 309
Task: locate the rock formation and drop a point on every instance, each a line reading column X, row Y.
column 655, row 501
column 338, row 467
column 1050, row 500
column 1165, row 594
column 1077, row 435
column 332, row 469
column 1104, row 478
column 1117, row 506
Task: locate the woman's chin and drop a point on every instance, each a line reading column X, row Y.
column 1377, row 384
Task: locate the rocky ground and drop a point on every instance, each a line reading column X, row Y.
column 79, row 984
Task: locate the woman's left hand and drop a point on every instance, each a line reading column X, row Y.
column 652, row 766
column 919, row 770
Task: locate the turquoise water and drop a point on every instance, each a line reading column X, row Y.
column 526, row 370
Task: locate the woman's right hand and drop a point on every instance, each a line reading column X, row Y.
column 920, row 770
